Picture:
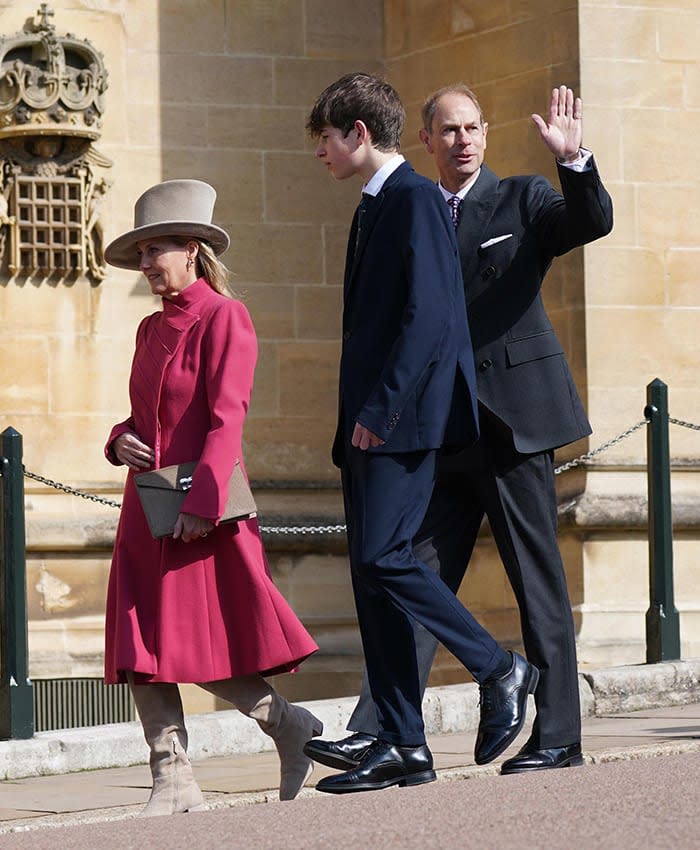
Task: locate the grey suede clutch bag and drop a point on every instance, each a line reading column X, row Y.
column 163, row 491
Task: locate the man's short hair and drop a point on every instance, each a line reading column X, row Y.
column 360, row 97
column 431, row 102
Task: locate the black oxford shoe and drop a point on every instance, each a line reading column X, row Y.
column 503, row 702
column 530, row 758
column 339, row 754
column 383, row 765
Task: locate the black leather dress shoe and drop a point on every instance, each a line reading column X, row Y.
column 383, row 765
column 530, row 758
column 342, row 754
column 503, row 704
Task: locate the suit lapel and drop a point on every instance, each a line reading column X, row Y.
column 477, row 209
column 369, row 220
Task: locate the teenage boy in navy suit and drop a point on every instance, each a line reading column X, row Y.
column 407, row 388
column 508, row 232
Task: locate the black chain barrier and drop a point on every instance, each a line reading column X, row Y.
column 582, row 460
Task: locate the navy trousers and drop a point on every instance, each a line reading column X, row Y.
column 386, row 498
column 517, row 494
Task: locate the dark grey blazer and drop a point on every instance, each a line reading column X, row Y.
column 509, row 232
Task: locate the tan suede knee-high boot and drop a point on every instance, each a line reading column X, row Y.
column 290, row 726
column 174, row 788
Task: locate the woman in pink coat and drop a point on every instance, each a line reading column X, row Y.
column 200, row 606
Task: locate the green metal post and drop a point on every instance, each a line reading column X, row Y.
column 16, row 704
column 662, row 621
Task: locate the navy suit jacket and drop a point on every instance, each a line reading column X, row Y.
column 406, row 369
column 509, row 232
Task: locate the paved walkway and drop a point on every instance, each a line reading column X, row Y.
column 119, row 793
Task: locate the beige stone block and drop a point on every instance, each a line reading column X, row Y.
column 516, row 97
column 125, row 294
column 668, row 216
column 25, row 375
column 452, row 62
column 320, row 587
column 319, row 312
column 512, row 150
column 524, row 9
column 677, row 34
column 683, row 268
column 473, row 17
column 411, row 76
column 265, row 398
column 185, row 27
column 618, row 275
column 423, row 22
column 625, row 220
column 335, row 244
column 298, row 82
column 272, row 310
column 629, row 84
column 335, row 29
column 41, row 308
column 602, row 133
column 87, row 373
column 291, row 449
column 685, row 572
column 196, row 700
column 692, row 86
column 613, row 407
column 616, row 574
column 275, row 253
column 272, row 27
column 509, row 51
column 256, row 127
column 191, row 78
column 565, row 36
column 308, row 378
column 67, row 448
column 142, row 70
column 58, row 586
column 486, row 585
column 237, row 177
column 646, row 343
column 664, row 130
column 140, row 18
column 144, row 126
column 612, row 32
column 183, row 126
column 299, row 189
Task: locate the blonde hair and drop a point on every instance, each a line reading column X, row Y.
column 209, row 266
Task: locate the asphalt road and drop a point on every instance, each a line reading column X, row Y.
column 648, row 803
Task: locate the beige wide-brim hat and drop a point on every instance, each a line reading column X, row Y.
column 172, row 208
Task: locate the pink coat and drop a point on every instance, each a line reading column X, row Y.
column 205, row 610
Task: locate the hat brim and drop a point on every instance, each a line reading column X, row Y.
column 123, row 254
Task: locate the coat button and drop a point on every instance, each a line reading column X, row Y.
column 347, row 335
column 485, row 364
column 488, row 272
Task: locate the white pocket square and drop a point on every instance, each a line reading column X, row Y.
column 495, row 240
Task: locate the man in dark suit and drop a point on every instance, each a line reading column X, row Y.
column 508, row 232
column 406, row 388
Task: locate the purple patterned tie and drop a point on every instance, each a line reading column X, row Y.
column 455, row 203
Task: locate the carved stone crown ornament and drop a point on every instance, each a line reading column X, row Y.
column 51, row 106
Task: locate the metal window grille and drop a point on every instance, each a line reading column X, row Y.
column 49, row 233
column 67, row 703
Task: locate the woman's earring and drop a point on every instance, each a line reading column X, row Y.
column 190, row 263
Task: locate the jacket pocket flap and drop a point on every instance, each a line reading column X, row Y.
column 532, row 348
